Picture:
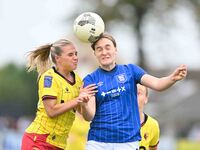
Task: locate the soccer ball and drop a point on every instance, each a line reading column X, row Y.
column 88, row 26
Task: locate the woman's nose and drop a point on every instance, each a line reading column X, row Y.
column 75, row 57
column 104, row 51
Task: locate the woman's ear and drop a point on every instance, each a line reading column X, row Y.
column 57, row 58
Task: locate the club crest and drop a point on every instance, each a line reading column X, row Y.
column 100, row 83
column 121, row 78
column 66, row 89
column 146, row 135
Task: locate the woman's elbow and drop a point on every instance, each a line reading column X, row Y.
column 51, row 114
column 88, row 118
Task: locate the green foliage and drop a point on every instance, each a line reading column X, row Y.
column 18, row 91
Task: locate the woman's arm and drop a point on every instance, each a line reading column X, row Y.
column 88, row 109
column 160, row 84
column 53, row 109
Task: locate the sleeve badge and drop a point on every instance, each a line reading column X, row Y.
column 48, row 81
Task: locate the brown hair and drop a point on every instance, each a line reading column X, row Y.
column 104, row 35
column 43, row 57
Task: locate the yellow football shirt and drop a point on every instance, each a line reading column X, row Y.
column 150, row 133
column 52, row 85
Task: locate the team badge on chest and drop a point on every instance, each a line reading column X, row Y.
column 121, row 78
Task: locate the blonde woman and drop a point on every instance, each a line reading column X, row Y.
column 59, row 95
column 150, row 131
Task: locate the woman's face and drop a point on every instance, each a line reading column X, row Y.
column 105, row 52
column 68, row 58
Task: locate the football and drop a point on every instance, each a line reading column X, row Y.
column 88, row 26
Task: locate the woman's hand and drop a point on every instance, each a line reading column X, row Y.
column 86, row 93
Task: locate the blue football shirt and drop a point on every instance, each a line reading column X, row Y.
column 117, row 117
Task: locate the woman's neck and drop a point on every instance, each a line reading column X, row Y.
column 141, row 117
column 108, row 67
column 65, row 73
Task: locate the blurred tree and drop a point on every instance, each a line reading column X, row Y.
column 18, row 91
column 196, row 5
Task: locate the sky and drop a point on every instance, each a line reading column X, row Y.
column 28, row 24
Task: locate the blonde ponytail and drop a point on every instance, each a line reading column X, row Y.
column 40, row 59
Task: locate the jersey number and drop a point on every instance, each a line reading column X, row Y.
column 142, row 148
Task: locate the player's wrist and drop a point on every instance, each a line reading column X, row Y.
column 77, row 101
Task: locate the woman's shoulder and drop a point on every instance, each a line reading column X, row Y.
column 127, row 66
column 93, row 73
column 77, row 76
column 49, row 72
column 152, row 120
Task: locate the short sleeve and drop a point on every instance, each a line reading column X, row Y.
column 137, row 72
column 48, row 87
